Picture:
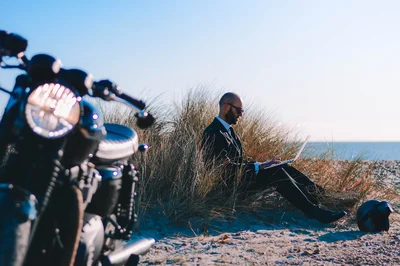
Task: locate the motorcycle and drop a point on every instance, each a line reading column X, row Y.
column 67, row 184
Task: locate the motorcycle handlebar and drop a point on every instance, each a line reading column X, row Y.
column 143, row 119
column 138, row 103
column 109, row 91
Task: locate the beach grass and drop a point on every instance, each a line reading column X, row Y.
column 175, row 175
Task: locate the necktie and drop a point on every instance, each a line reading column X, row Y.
column 233, row 134
column 236, row 141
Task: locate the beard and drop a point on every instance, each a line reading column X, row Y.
column 231, row 118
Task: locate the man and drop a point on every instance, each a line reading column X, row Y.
column 221, row 143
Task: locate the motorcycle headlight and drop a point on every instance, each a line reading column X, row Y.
column 52, row 110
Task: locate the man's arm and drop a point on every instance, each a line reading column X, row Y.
column 214, row 145
column 269, row 163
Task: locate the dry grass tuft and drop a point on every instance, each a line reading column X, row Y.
column 175, row 175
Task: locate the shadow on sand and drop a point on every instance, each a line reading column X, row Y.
column 156, row 225
column 341, row 236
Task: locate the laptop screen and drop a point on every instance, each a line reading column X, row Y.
column 301, row 149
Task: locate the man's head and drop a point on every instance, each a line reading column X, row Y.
column 230, row 108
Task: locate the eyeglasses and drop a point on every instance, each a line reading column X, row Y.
column 238, row 109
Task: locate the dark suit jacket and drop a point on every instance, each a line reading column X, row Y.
column 219, row 144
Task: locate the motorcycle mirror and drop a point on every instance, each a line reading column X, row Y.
column 144, row 120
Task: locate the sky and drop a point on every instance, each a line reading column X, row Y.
column 328, row 69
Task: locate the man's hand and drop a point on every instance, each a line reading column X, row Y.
column 269, row 163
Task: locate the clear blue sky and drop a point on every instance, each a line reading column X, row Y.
column 329, row 68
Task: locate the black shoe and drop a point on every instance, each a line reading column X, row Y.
column 327, row 216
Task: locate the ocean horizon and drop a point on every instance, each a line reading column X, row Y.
column 344, row 150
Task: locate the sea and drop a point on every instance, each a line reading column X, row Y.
column 369, row 151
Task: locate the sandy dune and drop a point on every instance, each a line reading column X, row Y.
column 276, row 238
column 268, row 237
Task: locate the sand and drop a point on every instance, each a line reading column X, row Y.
column 272, row 237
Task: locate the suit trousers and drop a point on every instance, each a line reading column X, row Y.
column 296, row 187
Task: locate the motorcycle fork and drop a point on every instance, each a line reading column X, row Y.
column 58, row 232
column 37, row 168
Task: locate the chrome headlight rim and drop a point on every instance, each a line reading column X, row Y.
column 53, row 109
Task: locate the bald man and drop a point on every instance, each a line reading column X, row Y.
column 221, row 142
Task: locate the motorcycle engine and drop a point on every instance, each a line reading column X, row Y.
column 91, row 242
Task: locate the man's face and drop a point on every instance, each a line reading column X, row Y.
column 234, row 112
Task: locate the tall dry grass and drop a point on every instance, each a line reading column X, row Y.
column 174, row 174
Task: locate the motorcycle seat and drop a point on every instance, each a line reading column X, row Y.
column 120, row 142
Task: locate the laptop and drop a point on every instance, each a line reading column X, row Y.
column 290, row 160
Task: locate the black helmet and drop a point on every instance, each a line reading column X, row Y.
column 373, row 216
